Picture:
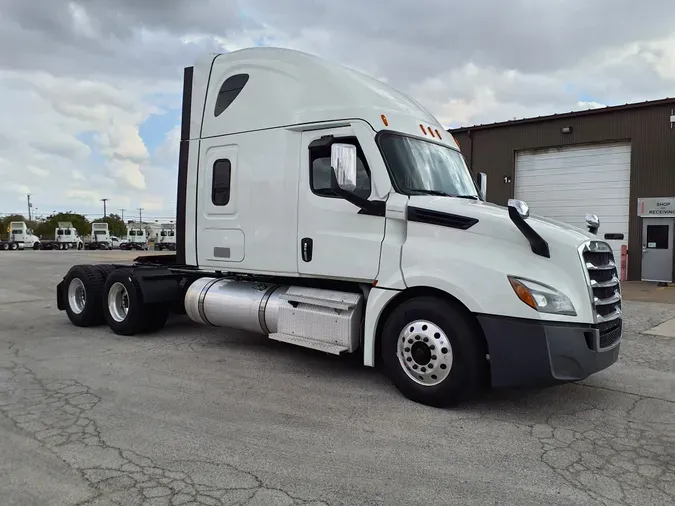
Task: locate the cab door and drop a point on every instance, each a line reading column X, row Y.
column 335, row 238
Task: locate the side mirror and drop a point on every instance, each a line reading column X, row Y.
column 343, row 163
column 482, row 184
column 593, row 223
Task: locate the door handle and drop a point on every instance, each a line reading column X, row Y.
column 307, row 247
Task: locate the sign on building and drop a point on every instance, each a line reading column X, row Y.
column 656, row 207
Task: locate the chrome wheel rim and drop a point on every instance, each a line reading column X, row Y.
column 425, row 353
column 77, row 295
column 118, row 302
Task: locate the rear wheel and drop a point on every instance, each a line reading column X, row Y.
column 84, row 288
column 432, row 352
column 14, row 246
column 5, row 246
column 36, row 245
column 124, row 309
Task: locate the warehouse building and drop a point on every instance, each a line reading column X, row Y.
column 616, row 162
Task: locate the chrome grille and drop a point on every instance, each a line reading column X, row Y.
column 603, row 279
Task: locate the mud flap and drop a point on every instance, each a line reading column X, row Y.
column 60, row 302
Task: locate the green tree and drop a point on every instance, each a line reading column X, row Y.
column 115, row 224
column 47, row 227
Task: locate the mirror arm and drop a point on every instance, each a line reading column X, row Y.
column 370, row 207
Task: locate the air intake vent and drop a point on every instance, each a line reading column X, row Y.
column 440, row 218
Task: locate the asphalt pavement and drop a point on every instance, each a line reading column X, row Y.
column 196, row 415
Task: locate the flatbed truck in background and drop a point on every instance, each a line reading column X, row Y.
column 325, row 209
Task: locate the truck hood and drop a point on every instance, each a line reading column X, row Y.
column 494, row 221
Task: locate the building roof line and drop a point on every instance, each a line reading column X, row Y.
column 565, row 115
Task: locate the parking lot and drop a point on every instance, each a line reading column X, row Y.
column 196, row 415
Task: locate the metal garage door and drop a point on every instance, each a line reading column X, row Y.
column 566, row 183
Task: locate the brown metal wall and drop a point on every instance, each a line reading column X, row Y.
column 648, row 128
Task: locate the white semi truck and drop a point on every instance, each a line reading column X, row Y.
column 99, row 238
column 137, row 238
column 325, row 209
column 67, row 237
column 166, row 238
column 20, row 237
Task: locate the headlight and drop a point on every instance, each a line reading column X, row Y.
column 542, row 298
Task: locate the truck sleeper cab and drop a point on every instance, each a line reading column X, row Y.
column 325, row 209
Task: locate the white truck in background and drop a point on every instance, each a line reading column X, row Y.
column 137, row 238
column 166, row 239
column 325, row 209
column 67, row 237
column 20, row 237
column 99, row 237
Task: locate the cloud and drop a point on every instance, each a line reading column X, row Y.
column 90, row 89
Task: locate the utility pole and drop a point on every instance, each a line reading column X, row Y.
column 140, row 215
column 29, row 207
column 104, row 207
column 122, row 210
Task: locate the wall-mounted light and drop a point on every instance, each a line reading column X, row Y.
column 566, row 130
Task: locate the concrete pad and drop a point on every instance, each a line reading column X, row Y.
column 666, row 329
column 203, row 415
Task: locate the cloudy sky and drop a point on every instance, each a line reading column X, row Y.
column 90, row 89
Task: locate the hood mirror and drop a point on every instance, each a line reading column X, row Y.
column 593, row 223
column 482, row 184
column 520, row 206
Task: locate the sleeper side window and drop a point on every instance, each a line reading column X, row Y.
column 229, row 91
column 220, row 184
column 320, row 171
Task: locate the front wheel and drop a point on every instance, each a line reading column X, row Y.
column 433, row 352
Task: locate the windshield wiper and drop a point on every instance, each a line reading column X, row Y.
column 424, row 191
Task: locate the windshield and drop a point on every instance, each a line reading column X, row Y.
column 163, row 233
column 99, row 232
column 419, row 167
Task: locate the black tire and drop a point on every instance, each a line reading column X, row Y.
column 14, row 246
column 4, row 246
column 136, row 319
column 79, row 246
column 105, row 270
column 467, row 348
column 36, row 246
column 92, row 280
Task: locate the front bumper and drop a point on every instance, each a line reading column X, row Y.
column 531, row 353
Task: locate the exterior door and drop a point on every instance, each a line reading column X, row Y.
column 657, row 249
column 334, row 239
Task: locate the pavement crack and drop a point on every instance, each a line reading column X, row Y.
column 611, row 455
column 55, row 413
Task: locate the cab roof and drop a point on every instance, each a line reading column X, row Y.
column 267, row 87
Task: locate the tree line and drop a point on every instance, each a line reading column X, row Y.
column 47, row 226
